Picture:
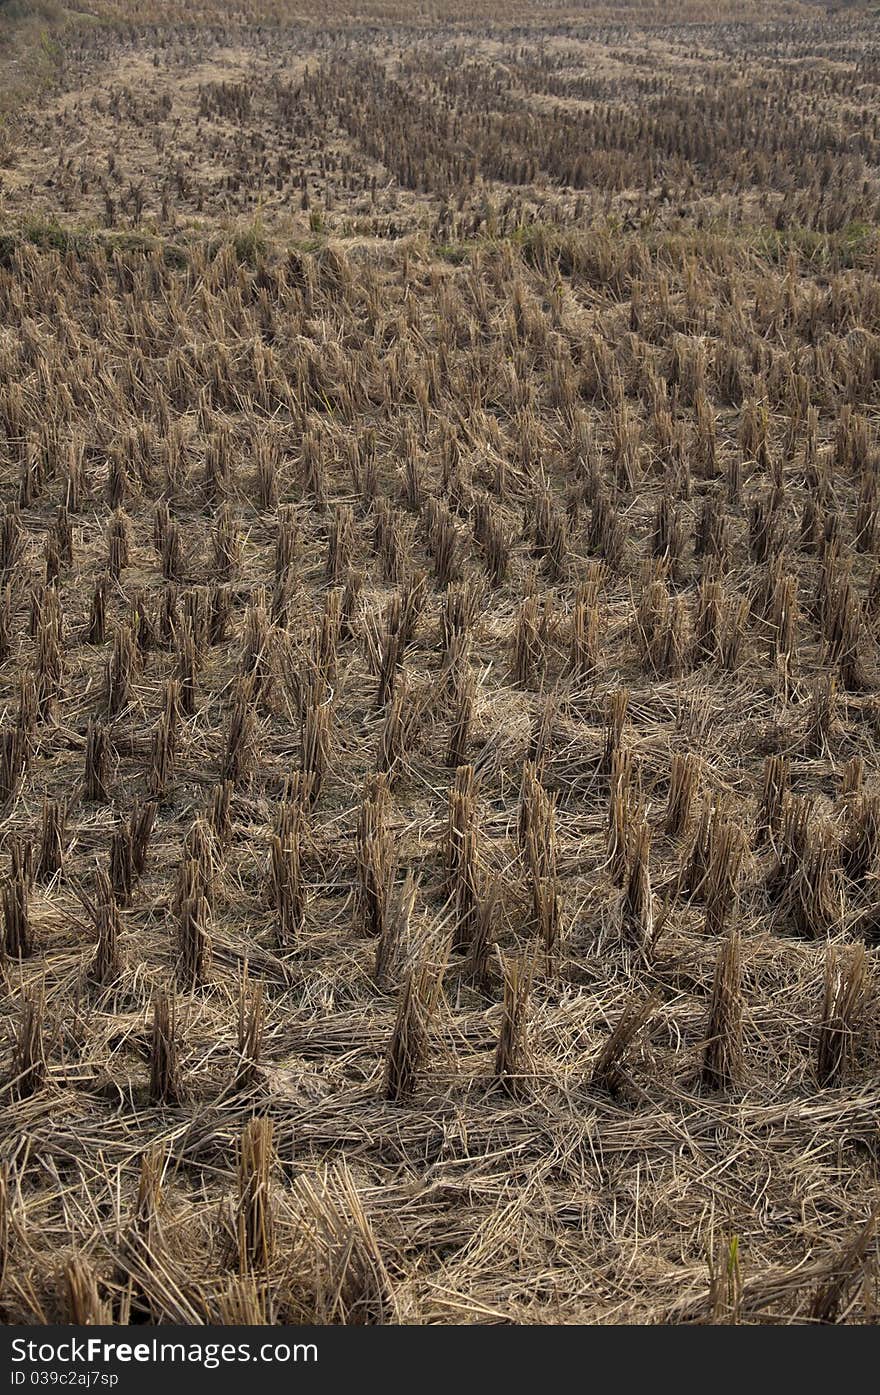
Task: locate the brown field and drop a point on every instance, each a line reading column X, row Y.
column 439, row 670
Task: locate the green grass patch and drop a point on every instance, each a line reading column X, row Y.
column 456, row 253
column 48, row 235
column 851, row 246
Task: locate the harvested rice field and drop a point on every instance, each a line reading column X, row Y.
column 439, row 668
